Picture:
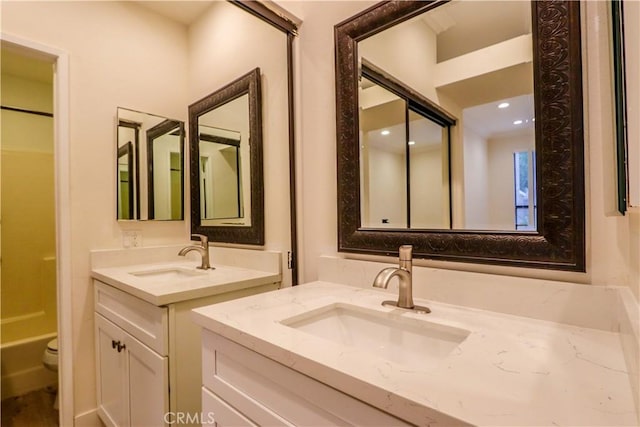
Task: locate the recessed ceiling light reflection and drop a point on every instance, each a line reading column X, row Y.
column 412, row 143
column 517, row 122
column 385, row 132
column 503, row 105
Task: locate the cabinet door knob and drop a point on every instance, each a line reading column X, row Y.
column 121, row 347
column 114, row 343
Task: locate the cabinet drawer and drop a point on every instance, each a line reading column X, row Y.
column 146, row 322
column 272, row 394
column 223, row 414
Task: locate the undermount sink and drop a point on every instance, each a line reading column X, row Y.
column 407, row 341
column 168, row 274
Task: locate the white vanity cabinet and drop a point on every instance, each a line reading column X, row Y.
column 244, row 388
column 148, row 358
column 133, row 379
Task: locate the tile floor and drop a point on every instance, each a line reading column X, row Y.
column 34, row 409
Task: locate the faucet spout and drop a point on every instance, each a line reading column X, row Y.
column 203, row 250
column 404, row 275
column 405, row 294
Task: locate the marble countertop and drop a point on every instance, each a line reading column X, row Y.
column 508, row 371
column 202, row 284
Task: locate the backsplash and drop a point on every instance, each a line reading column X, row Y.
column 268, row 261
column 579, row 305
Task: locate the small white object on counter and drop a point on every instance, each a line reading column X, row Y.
column 509, row 370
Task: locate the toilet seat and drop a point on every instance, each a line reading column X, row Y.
column 50, row 361
column 50, row 356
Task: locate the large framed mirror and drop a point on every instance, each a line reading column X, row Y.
column 150, row 172
column 501, row 180
column 225, row 146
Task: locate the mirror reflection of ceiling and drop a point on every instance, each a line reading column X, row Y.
column 475, row 64
column 233, row 116
column 465, row 26
column 507, row 116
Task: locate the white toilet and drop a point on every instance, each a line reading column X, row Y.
column 50, row 361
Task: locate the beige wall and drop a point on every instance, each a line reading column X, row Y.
column 608, row 238
column 416, row 69
column 124, row 55
column 114, row 61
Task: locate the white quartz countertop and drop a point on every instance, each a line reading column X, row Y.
column 202, row 284
column 509, row 371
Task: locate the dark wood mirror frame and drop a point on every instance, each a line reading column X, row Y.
column 254, row 234
column 559, row 241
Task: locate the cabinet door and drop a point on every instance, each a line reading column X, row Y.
column 148, row 385
column 112, row 382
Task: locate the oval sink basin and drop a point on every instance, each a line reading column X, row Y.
column 168, row 274
column 407, row 341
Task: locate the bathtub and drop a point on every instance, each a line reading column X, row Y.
column 22, row 369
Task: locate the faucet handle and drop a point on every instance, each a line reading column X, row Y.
column 204, row 240
column 405, row 257
column 405, row 252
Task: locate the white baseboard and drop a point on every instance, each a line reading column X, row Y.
column 88, row 419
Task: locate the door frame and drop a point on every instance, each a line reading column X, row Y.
column 60, row 61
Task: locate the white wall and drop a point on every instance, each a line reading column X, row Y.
column 476, row 181
column 222, row 194
column 114, row 61
column 429, row 190
column 387, row 189
column 501, row 182
column 608, row 254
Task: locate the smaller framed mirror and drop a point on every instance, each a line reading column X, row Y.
column 225, row 148
column 150, row 170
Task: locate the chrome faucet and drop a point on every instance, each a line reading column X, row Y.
column 404, row 275
column 203, row 250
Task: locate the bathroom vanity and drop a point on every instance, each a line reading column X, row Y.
column 329, row 354
column 148, row 358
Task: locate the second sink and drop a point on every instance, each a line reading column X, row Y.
column 403, row 340
column 168, row 274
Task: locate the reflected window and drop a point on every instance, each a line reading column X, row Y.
column 524, row 190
